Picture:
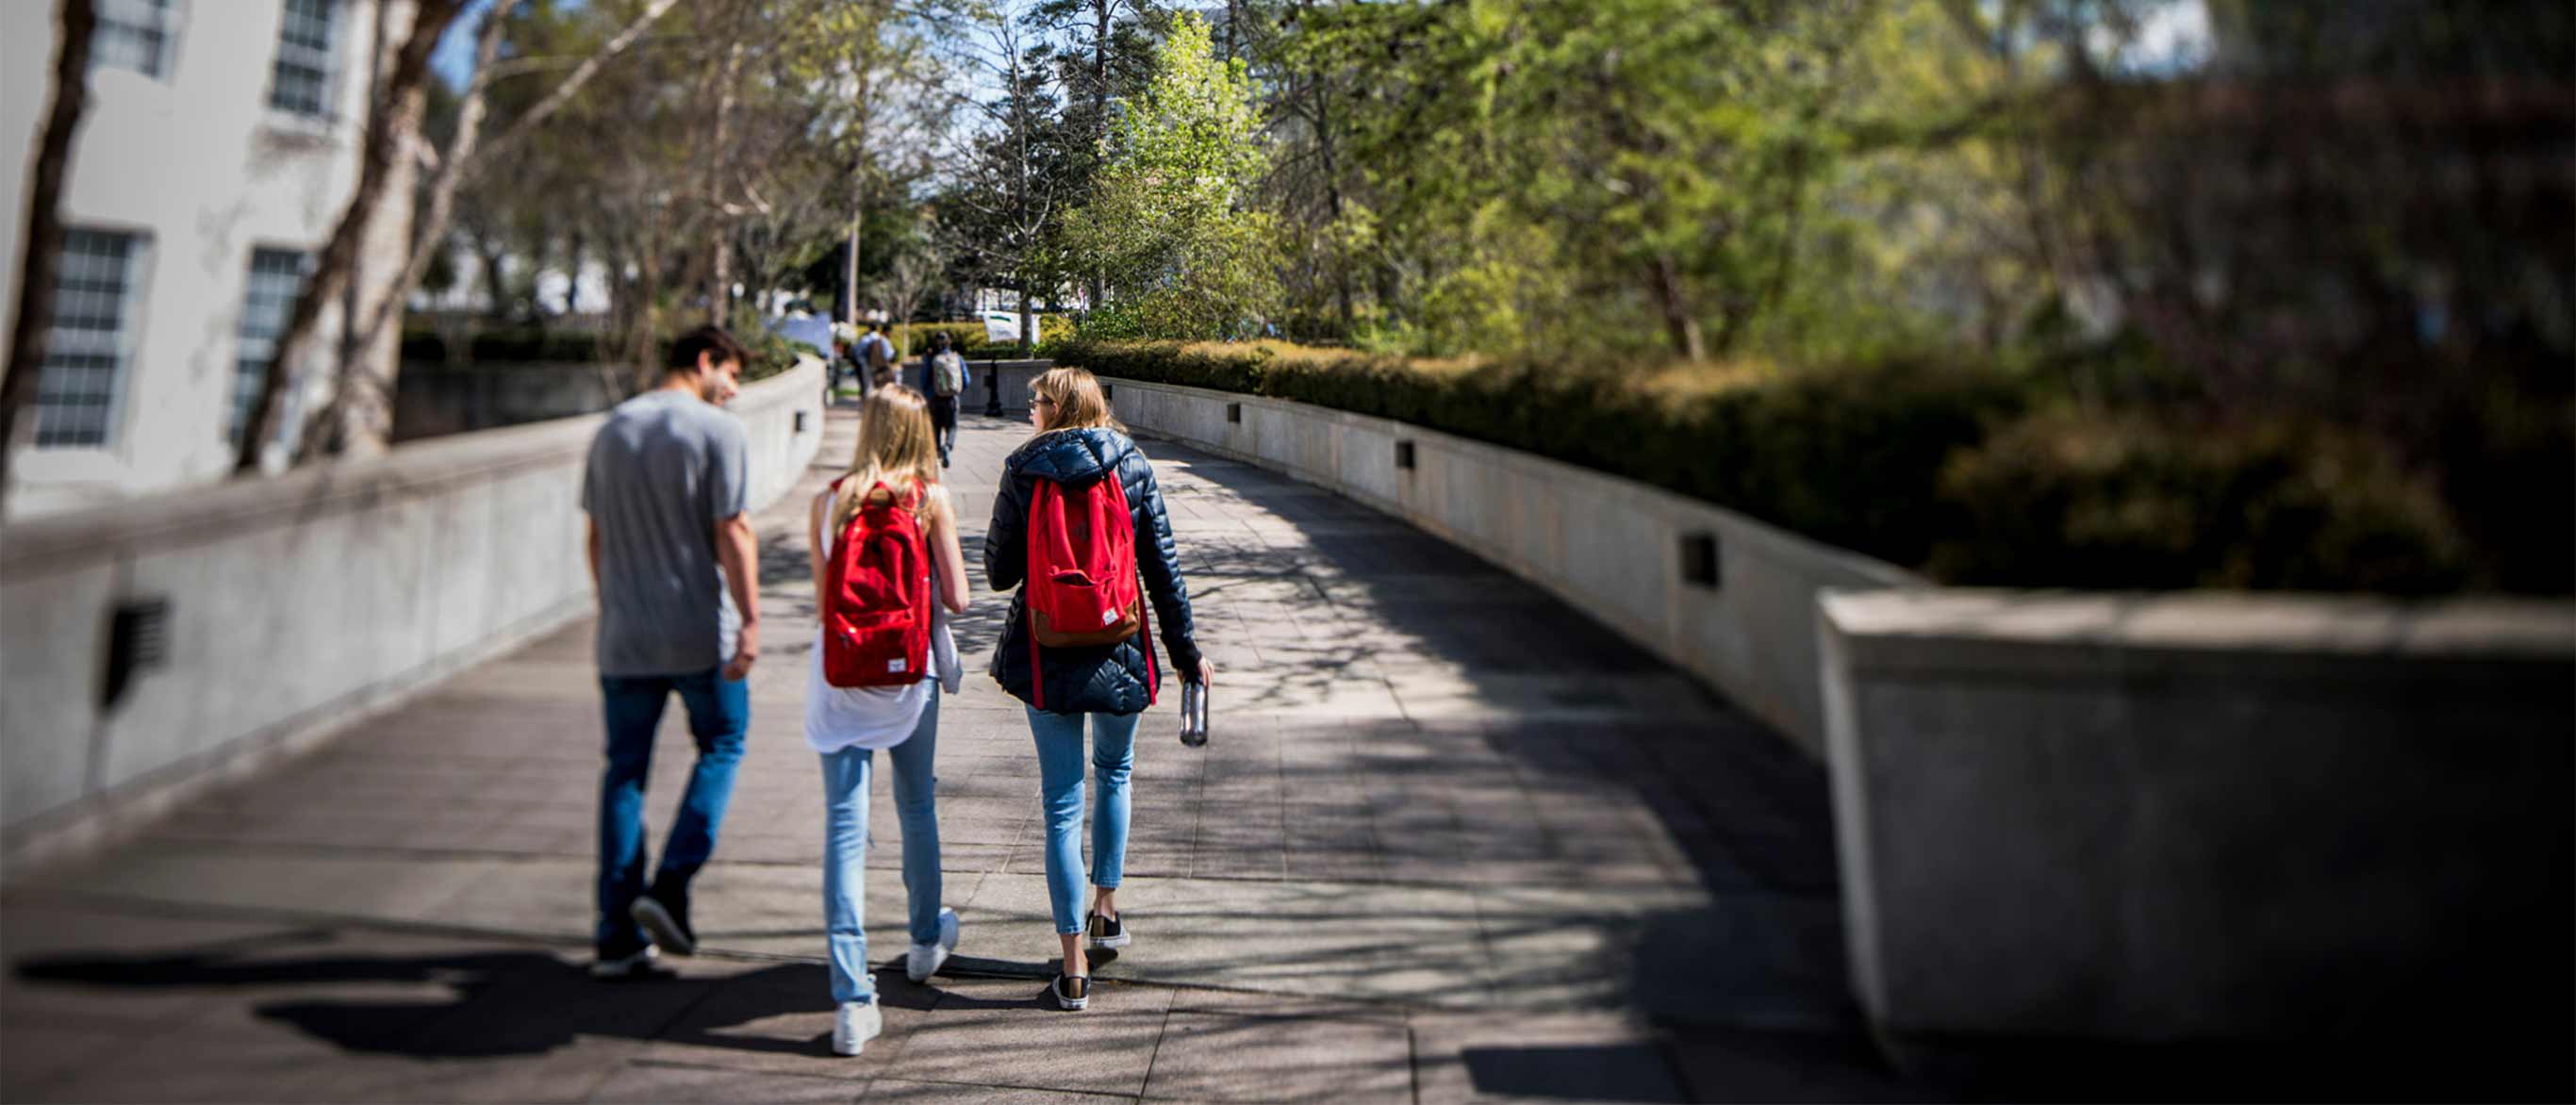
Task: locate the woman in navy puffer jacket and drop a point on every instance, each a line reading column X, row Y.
column 1078, row 442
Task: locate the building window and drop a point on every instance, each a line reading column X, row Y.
column 87, row 347
column 276, row 277
column 132, row 34
column 305, row 45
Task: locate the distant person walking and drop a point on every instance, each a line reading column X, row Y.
column 1078, row 524
column 887, row 573
column 673, row 563
column 944, row 377
column 876, row 358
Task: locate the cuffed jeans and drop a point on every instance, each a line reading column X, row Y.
column 1113, row 753
column 845, row 848
column 719, row 715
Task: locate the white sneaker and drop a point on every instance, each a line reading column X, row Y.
column 857, row 1023
column 638, row 965
column 925, row 959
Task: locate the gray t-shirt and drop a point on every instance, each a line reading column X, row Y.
column 665, row 469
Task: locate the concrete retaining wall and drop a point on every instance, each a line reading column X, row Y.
column 2203, row 817
column 295, row 605
column 1612, row 547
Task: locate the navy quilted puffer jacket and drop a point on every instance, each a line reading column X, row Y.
column 1107, row 679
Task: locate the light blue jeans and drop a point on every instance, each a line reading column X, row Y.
column 1113, row 753
column 845, row 848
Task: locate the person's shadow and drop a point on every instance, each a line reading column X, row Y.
column 503, row 1003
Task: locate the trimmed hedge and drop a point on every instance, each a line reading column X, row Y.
column 1846, row 456
column 770, row 354
column 1964, row 473
column 511, row 346
column 2067, row 501
column 913, row 337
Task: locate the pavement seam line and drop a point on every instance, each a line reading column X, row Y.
column 1160, row 1034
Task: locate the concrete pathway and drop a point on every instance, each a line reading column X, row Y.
column 1450, row 840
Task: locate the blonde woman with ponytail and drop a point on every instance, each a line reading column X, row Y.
column 897, row 458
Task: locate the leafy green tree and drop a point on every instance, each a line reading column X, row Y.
column 1171, row 225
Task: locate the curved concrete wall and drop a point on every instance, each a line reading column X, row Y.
column 295, row 606
column 1615, row 548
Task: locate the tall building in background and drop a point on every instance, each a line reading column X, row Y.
column 220, row 146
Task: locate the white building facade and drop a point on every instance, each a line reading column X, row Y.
column 219, row 148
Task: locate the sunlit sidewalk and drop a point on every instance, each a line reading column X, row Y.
column 1450, row 839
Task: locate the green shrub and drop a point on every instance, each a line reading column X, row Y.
column 913, row 337
column 534, row 345
column 1847, row 455
column 511, row 346
column 423, row 346
column 770, row 353
column 2062, row 500
column 1911, row 460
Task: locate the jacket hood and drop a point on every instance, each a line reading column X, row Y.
column 1073, row 456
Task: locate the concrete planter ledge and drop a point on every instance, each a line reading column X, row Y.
column 288, row 608
column 2197, row 818
column 1936, row 631
column 1721, row 595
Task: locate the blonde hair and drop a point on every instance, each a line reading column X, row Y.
column 1079, row 405
column 896, row 448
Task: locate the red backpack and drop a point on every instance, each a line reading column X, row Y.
column 1082, row 586
column 876, row 597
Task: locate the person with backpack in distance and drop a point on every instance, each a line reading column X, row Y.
column 944, row 377
column 887, row 573
column 1079, row 523
column 675, row 565
column 875, row 356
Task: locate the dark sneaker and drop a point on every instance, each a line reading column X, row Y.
column 1071, row 992
column 1108, row 932
column 624, row 965
column 666, row 916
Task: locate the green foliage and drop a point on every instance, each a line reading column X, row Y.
column 1847, row 455
column 1170, row 226
column 2064, row 500
column 515, row 345
column 1918, row 462
column 911, row 338
column 771, row 355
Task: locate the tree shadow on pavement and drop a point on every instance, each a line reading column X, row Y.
column 498, row 1003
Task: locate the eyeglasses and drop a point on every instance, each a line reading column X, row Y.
column 1041, row 401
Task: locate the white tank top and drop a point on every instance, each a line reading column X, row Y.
column 874, row 717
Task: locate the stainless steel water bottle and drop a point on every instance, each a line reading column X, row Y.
column 1194, row 712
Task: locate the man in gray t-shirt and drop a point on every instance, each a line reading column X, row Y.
column 674, row 561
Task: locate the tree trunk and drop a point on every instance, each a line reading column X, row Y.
column 1666, row 282
column 358, row 416
column 391, row 120
column 1333, row 197
column 44, row 232
column 1095, row 297
column 496, row 279
column 718, row 155
column 850, row 273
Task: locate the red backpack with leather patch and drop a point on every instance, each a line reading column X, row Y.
column 876, row 595
column 1082, row 588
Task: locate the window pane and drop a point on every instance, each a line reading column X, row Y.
column 301, row 81
column 131, row 34
column 276, row 276
column 86, row 347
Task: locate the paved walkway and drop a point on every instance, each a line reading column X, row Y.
column 1450, row 840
